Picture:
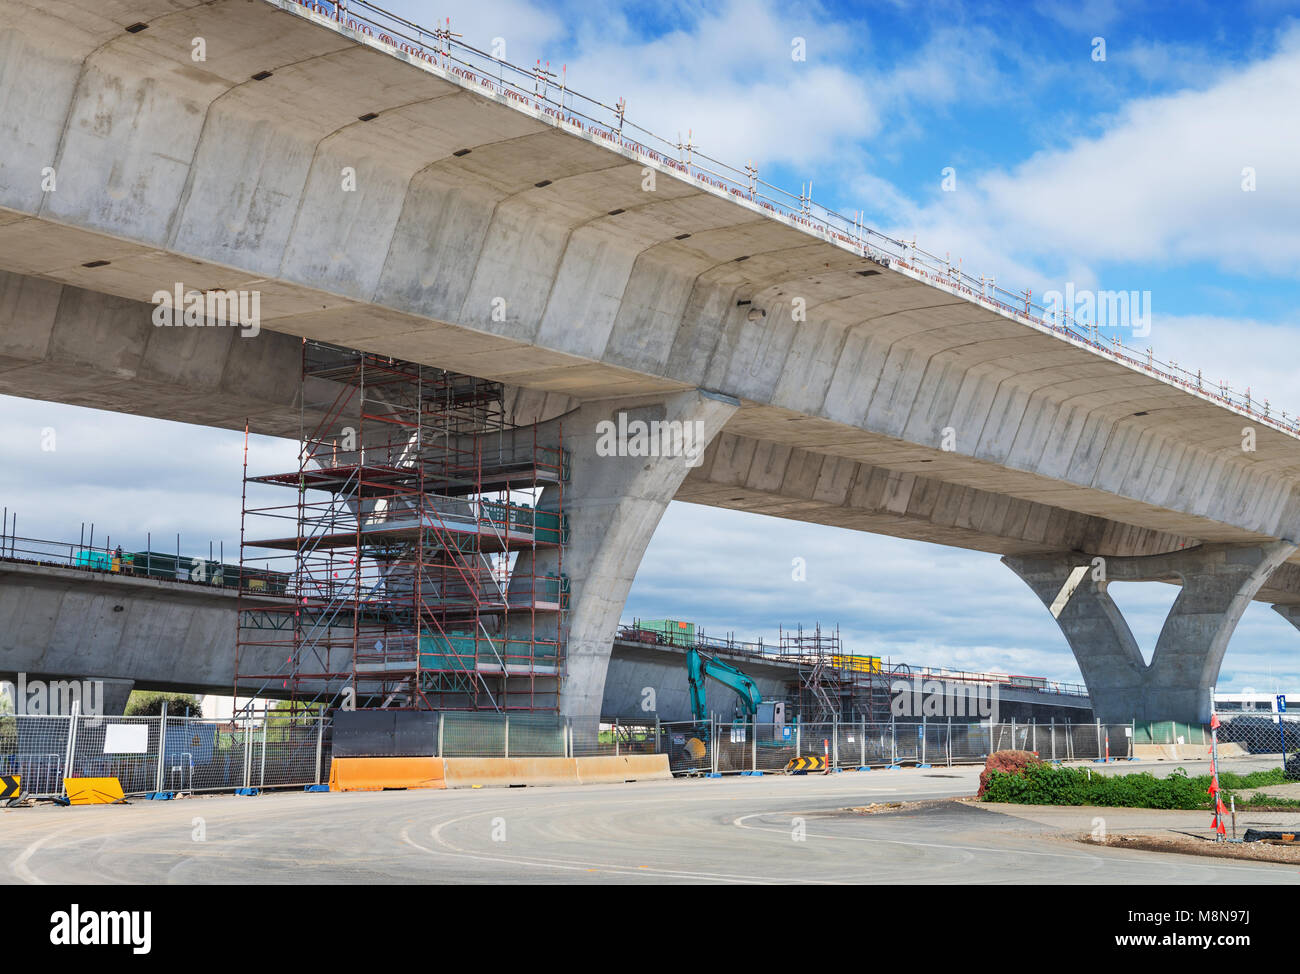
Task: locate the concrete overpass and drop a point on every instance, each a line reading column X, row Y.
column 491, row 232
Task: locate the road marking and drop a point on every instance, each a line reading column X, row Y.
column 1085, row 857
column 586, row 865
column 19, row 866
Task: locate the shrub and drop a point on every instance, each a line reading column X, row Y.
column 1041, row 784
column 1006, row 762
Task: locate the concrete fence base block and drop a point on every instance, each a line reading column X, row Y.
column 630, row 767
column 377, row 774
column 507, row 772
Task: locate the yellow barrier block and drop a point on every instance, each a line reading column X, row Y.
column 377, row 774
column 93, row 791
column 503, row 772
column 628, row 767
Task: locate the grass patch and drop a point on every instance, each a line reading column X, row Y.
column 1045, row 784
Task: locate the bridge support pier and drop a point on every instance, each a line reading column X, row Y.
column 1291, row 613
column 616, row 494
column 1218, row 582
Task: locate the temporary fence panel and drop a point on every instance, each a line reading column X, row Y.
column 688, row 745
column 535, row 735
column 1263, row 735
column 472, row 735
column 36, row 748
column 125, row 748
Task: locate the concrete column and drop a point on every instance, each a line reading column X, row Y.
column 1218, row 582
column 1291, row 613
column 614, row 501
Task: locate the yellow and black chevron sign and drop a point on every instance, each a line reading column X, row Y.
column 10, row 786
column 804, row 765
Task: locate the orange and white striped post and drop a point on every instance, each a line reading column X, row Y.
column 1219, row 811
column 826, row 751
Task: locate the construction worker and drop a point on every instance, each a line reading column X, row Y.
column 117, row 559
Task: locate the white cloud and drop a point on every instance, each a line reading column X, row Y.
column 1162, row 184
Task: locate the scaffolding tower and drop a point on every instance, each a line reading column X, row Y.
column 419, row 564
column 834, row 685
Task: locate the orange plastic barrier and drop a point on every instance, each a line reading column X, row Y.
column 629, row 767
column 503, row 772
column 376, row 774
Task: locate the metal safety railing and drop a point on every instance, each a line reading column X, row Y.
column 542, row 91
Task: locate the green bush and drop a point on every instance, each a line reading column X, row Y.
column 1050, row 785
column 147, row 703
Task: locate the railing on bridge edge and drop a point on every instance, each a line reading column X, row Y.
column 542, row 90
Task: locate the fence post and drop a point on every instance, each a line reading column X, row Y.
column 505, row 736
column 162, row 747
column 320, row 745
column 753, row 743
column 893, row 741
column 798, row 738
column 1132, row 737
column 248, row 749
column 863, row 745
column 615, row 737
column 924, row 729
column 1098, row 737
column 261, row 774
column 1014, row 745
column 948, row 742
column 835, row 740
column 713, row 741
column 71, row 752
column 1033, row 729
column 1053, row 738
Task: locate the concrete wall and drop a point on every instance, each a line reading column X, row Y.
column 72, row 623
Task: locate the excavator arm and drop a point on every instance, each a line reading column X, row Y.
column 700, row 667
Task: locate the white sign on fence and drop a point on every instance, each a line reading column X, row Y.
column 126, row 738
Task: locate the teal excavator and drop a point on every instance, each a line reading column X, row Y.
column 699, row 667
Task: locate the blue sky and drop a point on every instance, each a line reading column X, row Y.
column 1125, row 173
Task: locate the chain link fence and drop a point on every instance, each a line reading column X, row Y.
column 1275, row 737
column 177, row 754
column 187, row 754
column 728, row 747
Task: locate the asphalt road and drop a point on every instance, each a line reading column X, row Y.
column 772, row 829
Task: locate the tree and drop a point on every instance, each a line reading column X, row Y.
column 146, row 703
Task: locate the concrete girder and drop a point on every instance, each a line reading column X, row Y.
column 610, row 291
column 1218, row 582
